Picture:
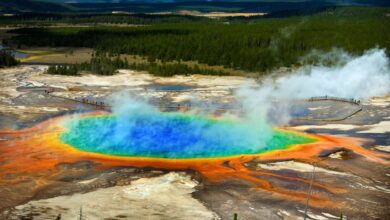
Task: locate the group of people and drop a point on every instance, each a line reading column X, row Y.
column 83, row 100
column 93, row 103
column 48, row 91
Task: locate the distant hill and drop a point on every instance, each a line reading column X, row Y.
column 219, row 5
column 12, row 6
column 202, row 6
column 107, row 6
column 337, row 2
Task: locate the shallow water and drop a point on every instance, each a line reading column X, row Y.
column 170, row 87
column 15, row 53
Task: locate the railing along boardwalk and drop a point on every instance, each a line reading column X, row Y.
column 187, row 107
column 337, row 99
column 332, row 98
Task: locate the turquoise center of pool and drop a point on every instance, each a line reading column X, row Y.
column 173, row 135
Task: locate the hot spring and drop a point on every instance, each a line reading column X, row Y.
column 172, row 135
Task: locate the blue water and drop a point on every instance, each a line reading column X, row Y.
column 15, row 53
column 171, row 135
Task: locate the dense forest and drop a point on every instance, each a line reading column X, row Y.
column 256, row 45
column 6, row 59
column 103, row 64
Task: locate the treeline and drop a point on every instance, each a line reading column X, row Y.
column 7, row 59
column 257, row 46
column 44, row 19
column 172, row 69
column 69, row 70
column 100, row 64
column 103, row 64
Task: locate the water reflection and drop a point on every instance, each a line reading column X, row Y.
column 15, row 53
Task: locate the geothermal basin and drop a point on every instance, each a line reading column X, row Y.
column 174, row 136
column 58, row 155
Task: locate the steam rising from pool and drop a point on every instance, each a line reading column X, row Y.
column 136, row 129
column 358, row 77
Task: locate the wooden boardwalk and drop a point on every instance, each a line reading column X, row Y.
column 187, row 107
